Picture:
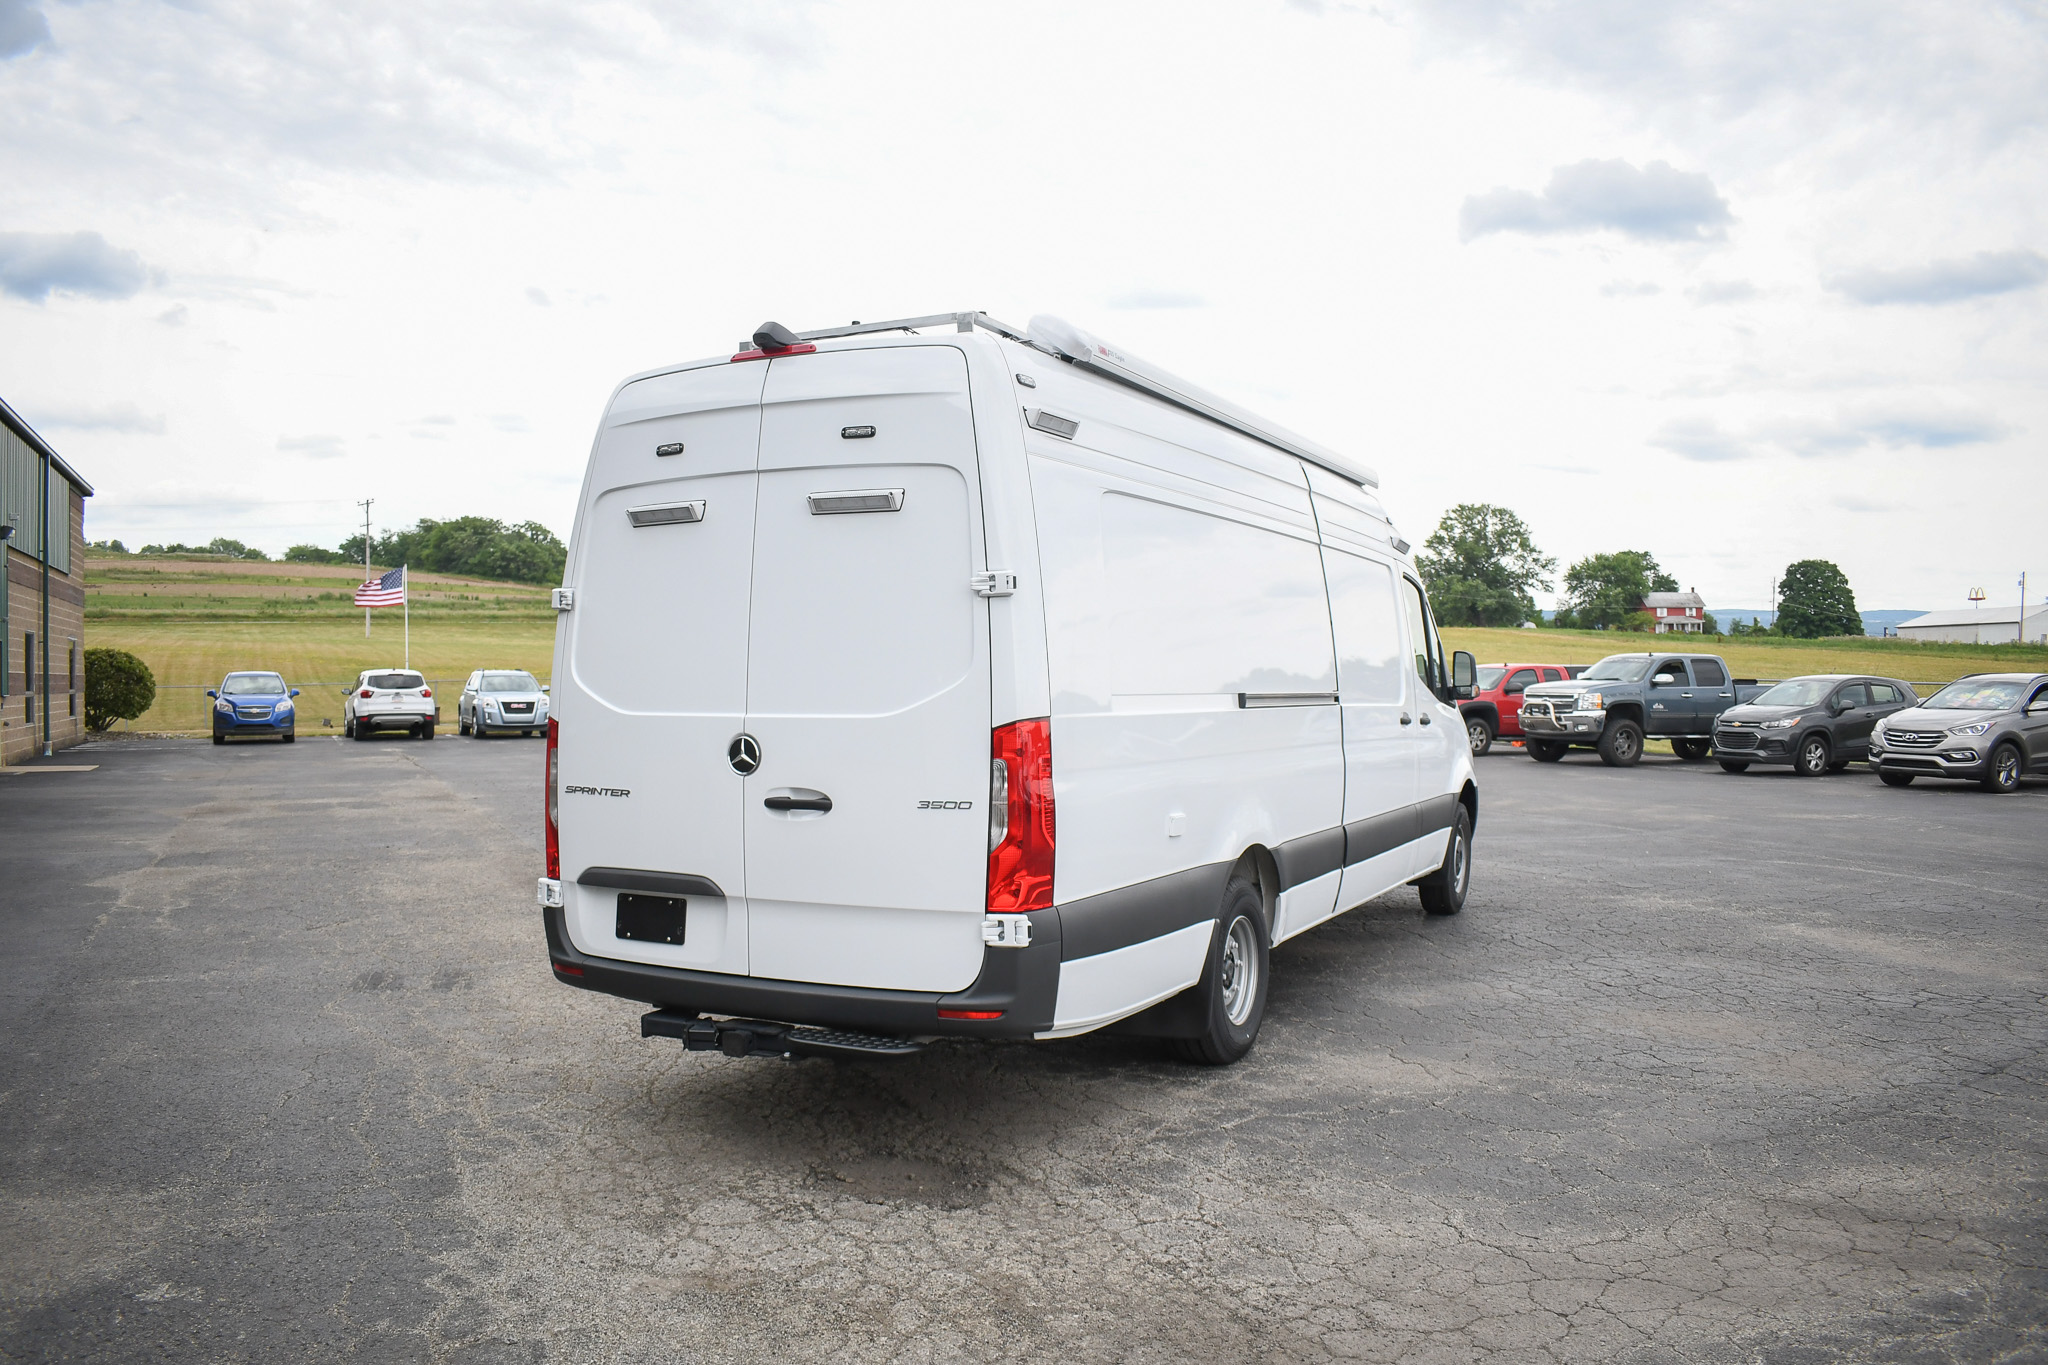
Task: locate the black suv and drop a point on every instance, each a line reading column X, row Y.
column 1813, row 723
column 1988, row 728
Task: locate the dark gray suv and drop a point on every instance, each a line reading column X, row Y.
column 1814, row 723
column 1988, row 728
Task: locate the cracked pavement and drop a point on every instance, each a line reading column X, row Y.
column 1712, row 1068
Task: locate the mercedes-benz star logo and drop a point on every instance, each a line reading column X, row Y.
column 744, row 753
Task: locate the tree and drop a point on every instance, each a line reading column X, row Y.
column 1605, row 590
column 1482, row 566
column 118, row 686
column 478, row 546
column 313, row 554
column 1814, row 600
column 222, row 545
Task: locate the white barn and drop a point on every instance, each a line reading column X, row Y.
column 1987, row 625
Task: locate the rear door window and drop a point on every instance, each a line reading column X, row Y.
column 1553, row 675
column 1708, row 673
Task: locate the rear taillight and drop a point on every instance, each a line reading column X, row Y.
column 366, row 692
column 553, row 800
column 1020, row 825
column 426, row 691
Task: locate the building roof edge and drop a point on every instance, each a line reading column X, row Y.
column 21, row 428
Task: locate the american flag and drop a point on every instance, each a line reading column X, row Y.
column 388, row 591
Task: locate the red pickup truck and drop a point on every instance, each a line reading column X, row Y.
column 1496, row 708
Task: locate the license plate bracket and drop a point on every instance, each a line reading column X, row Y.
column 652, row 919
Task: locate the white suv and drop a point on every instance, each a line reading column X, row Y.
column 389, row 699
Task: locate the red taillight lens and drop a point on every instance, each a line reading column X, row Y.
column 1021, row 845
column 970, row 1014
column 552, row 800
column 426, row 691
column 366, row 692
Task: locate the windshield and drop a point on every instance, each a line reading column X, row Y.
column 252, row 685
column 1489, row 678
column 1972, row 694
column 1617, row 668
column 1798, row 692
column 392, row 682
column 508, row 682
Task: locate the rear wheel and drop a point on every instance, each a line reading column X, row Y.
column 1621, row 745
column 1479, row 733
column 361, row 731
column 1546, row 750
column 1729, row 765
column 1692, row 750
column 1443, row 891
column 1813, row 756
column 1233, row 985
column 427, row 730
column 2004, row 773
column 461, row 722
column 1896, row 779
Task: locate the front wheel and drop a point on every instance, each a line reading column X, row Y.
column 1443, row 891
column 1233, row 985
column 220, row 739
column 1896, row 779
column 1729, row 765
column 1621, row 745
column 1546, row 750
column 290, row 736
column 1813, row 756
column 2004, row 773
column 1480, row 734
column 1692, row 750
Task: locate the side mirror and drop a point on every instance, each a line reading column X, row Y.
column 211, row 692
column 1464, row 676
column 295, row 691
column 545, row 688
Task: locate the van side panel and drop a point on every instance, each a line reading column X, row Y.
column 1181, row 570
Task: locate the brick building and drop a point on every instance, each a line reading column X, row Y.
column 42, row 634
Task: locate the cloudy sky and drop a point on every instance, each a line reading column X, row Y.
column 1737, row 284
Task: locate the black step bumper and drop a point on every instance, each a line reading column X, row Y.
column 1020, row 983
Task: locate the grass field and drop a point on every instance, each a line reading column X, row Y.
column 192, row 620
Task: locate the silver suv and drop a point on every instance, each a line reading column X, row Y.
column 502, row 701
column 1988, row 728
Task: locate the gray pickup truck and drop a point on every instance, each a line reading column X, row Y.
column 1626, row 698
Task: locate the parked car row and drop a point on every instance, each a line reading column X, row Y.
column 257, row 704
column 1990, row 728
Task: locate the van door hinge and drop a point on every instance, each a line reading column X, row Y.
column 564, row 599
column 993, row 584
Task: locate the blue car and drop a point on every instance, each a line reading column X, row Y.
column 252, row 704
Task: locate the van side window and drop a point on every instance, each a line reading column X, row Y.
column 1428, row 652
column 1368, row 631
column 1708, row 673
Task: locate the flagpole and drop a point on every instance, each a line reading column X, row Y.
column 405, row 596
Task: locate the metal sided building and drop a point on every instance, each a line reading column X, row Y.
column 42, row 594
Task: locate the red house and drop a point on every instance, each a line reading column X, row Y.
column 1676, row 611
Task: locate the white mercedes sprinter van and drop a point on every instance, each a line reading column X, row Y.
column 982, row 682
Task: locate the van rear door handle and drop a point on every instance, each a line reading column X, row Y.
column 1405, row 720
column 1425, row 717
column 820, row 803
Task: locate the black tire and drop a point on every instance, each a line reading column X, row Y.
column 1546, row 750
column 362, row 731
column 1692, row 750
column 1621, row 744
column 476, row 726
column 461, row 725
column 1479, row 734
column 2002, row 773
column 291, row 736
column 1232, row 1008
column 427, row 731
column 1443, row 891
column 1813, row 757
column 220, row 739
column 348, row 727
column 1729, row 765
column 1896, row 779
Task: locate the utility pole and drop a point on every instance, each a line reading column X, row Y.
column 2021, row 634
column 365, row 505
column 43, row 640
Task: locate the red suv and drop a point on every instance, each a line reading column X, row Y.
column 1496, row 708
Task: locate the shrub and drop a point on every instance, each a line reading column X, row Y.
column 118, row 686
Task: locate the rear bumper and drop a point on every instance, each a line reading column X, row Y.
column 1023, row 983
column 393, row 720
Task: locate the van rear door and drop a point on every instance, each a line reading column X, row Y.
column 658, row 651
column 867, row 675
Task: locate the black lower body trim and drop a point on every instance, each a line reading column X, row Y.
column 1133, row 914
column 1022, row 983
column 637, row 879
column 1309, row 857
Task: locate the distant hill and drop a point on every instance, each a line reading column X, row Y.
column 1874, row 622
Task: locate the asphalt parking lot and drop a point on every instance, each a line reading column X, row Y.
column 1712, row 1068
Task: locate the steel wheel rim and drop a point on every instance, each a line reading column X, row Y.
column 1625, row 743
column 1477, row 734
column 1240, row 971
column 1461, row 864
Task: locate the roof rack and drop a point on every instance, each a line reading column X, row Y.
column 1066, row 342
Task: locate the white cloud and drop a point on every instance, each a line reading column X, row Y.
column 34, row 264
column 121, row 417
column 1158, row 298
column 1654, row 204
column 22, row 28
column 1945, row 281
column 1630, row 289
column 317, row 447
column 1722, row 291
column 1699, row 439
